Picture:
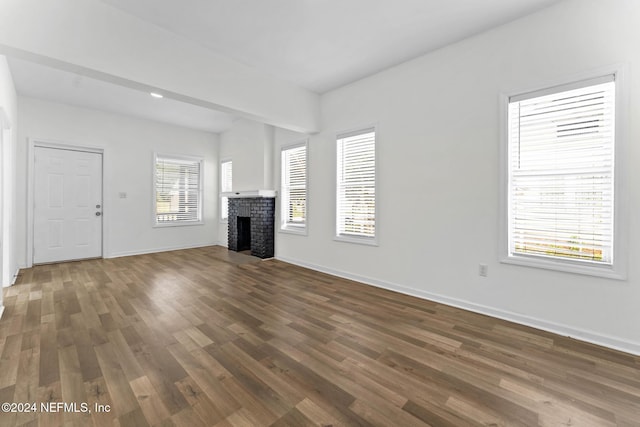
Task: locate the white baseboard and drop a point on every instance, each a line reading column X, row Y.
column 556, row 328
column 156, row 250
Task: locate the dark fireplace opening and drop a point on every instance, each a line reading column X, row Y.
column 244, row 233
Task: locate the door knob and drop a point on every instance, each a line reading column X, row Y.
column 98, row 213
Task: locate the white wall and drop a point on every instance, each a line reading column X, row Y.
column 250, row 146
column 8, row 104
column 128, row 145
column 438, row 173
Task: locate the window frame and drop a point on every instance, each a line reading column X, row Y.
column 362, row 240
column 285, row 226
column 178, row 158
column 615, row 270
column 223, row 218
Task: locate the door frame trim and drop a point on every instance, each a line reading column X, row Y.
column 47, row 143
column 6, row 242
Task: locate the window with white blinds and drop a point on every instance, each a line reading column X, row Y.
column 294, row 188
column 561, row 146
column 178, row 190
column 356, row 185
column 226, row 175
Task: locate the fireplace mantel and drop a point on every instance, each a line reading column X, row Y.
column 249, row 194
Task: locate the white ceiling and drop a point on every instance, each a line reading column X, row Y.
column 39, row 81
column 325, row 44
column 317, row 44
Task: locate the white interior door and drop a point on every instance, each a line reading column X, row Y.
column 67, row 214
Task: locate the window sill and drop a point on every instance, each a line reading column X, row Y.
column 300, row 231
column 367, row 241
column 178, row 224
column 566, row 266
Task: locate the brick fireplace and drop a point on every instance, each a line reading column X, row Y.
column 251, row 225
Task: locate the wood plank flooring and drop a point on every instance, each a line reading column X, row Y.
column 207, row 337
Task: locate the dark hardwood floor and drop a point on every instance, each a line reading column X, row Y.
column 205, row 337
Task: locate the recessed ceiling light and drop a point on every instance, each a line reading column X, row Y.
column 156, row 95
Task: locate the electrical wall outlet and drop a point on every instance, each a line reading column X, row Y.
column 483, row 270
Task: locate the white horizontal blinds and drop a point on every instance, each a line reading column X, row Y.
column 177, row 190
column 226, row 175
column 294, row 185
column 356, row 201
column 561, row 149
